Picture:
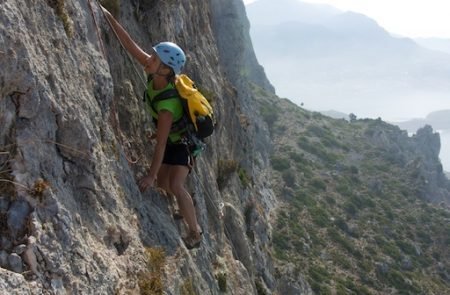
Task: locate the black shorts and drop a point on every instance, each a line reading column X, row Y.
column 177, row 154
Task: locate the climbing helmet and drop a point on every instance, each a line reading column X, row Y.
column 171, row 55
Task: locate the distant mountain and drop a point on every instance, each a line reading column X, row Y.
column 355, row 24
column 262, row 12
column 440, row 120
column 335, row 114
column 345, row 61
column 439, row 44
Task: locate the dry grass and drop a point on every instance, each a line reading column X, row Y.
column 40, row 186
column 150, row 280
column 61, row 12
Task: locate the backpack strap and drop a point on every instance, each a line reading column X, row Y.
column 180, row 124
column 170, row 93
column 165, row 95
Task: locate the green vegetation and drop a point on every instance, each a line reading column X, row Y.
column 320, row 216
column 280, row 163
column 222, row 281
column 317, row 184
column 269, row 114
column 348, row 286
column 318, row 149
column 289, row 178
column 355, row 221
column 244, row 177
column 319, row 278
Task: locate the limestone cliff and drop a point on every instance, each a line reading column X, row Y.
column 73, row 143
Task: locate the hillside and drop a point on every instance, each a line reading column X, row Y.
column 355, row 216
column 281, row 193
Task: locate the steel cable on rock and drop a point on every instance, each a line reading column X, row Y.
column 219, row 210
column 115, row 124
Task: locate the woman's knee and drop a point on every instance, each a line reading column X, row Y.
column 177, row 179
column 165, row 185
column 178, row 189
column 163, row 178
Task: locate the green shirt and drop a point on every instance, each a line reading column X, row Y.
column 172, row 105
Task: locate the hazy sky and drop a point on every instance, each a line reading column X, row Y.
column 410, row 18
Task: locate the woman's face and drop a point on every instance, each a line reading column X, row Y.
column 155, row 66
column 152, row 64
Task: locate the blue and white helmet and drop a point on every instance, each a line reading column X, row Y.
column 171, row 55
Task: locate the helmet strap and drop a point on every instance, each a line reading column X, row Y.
column 169, row 77
column 160, row 67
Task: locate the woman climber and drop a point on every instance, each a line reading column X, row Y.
column 172, row 159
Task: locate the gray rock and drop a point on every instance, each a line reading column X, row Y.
column 29, row 255
column 407, row 263
column 4, row 204
column 382, row 267
column 15, row 263
column 17, row 217
column 19, row 249
column 13, row 283
column 58, row 286
column 4, row 259
column 5, row 243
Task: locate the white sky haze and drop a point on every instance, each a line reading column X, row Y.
column 406, row 18
column 409, row 18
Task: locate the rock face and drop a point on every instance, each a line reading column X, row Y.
column 419, row 155
column 72, row 144
column 435, row 184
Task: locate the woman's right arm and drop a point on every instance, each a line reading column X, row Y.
column 126, row 40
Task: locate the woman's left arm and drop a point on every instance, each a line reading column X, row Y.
column 165, row 119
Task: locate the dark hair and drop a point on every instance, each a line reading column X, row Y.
column 171, row 76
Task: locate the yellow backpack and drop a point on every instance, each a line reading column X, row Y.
column 198, row 113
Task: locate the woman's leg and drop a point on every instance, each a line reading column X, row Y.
column 163, row 179
column 178, row 175
column 164, row 184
